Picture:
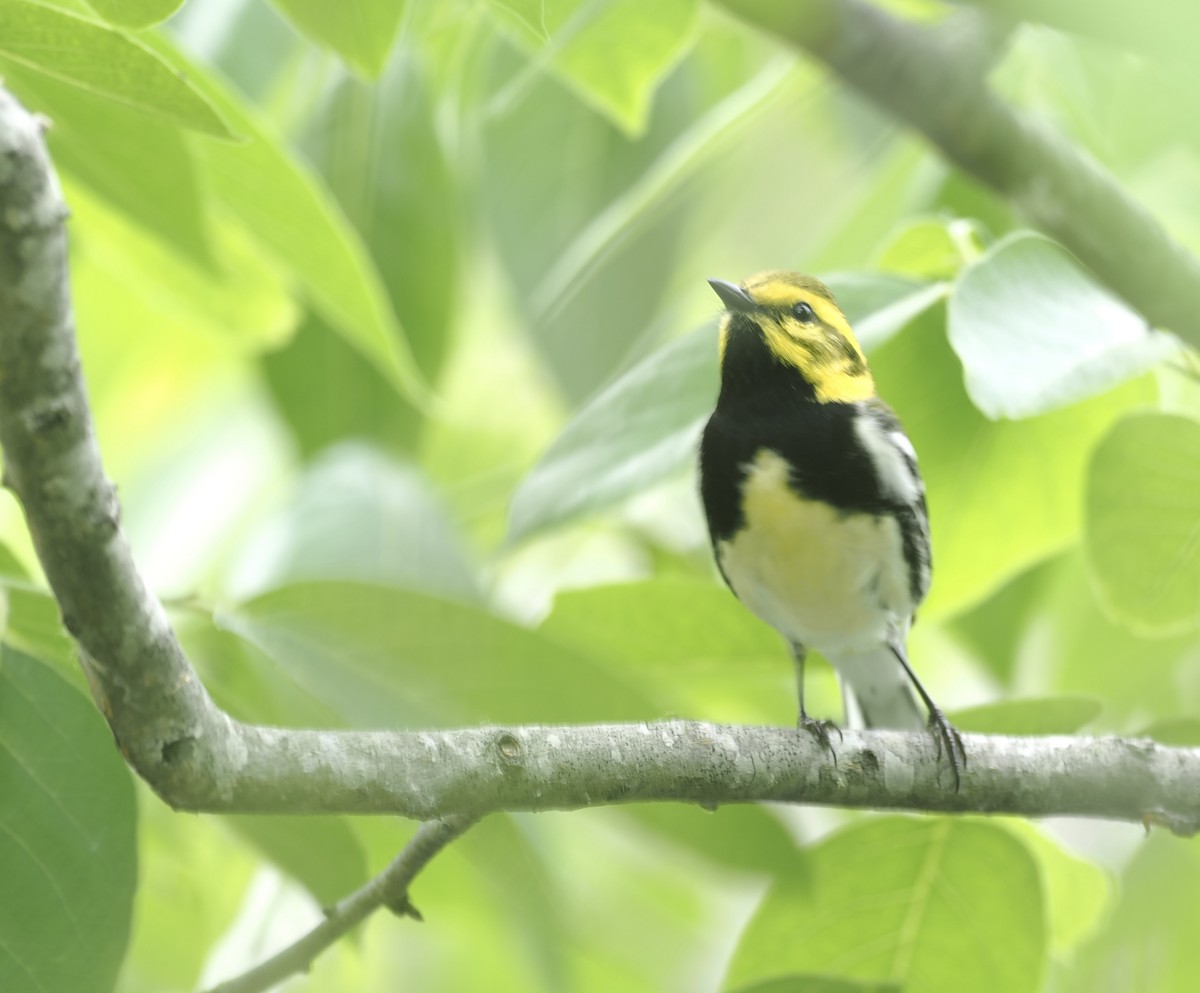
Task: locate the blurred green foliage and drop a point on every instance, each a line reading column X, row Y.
column 394, row 323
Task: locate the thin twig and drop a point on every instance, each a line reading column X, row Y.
column 388, row 889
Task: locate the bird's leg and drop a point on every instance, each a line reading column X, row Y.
column 819, row 729
column 944, row 733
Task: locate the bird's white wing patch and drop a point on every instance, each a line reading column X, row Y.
column 893, row 457
column 901, row 441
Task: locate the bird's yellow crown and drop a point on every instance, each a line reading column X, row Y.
column 803, row 327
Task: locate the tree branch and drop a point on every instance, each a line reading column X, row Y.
column 931, row 79
column 388, row 889
column 199, row 758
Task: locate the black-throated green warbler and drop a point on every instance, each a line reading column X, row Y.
column 815, row 506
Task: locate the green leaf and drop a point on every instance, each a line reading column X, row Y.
column 359, row 136
column 744, row 837
column 32, row 622
column 286, row 208
column 122, row 275
column 1142, row 534
column 931, row 905
column 1183, row 731
column 1080, row 650
column 994, row 628
column 640, row 430
column 1078, row 893
column 329, row 391
column 817, row 984
column 611, row 52
column 1047, row 715
column 359, row 515
column 135, row 13
column 962, row 196
column 690, row 643
column 930, row 248
column 102, row 61
column 644, row 427
column 1034, row 332
column 1003, row 495
column 360, row 31
column 580, row 222
column 387, row 657
column 522, row 880
column 194, row 876
column 323, row 853
column 67, row 824
column 326, row 391
column 141, row 165
column 34, row 626
column 1149, row 940
column 247, row 682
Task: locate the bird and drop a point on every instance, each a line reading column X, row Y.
column 814, row 502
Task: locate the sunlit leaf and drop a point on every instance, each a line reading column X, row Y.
column 67, row 826
column 1143, row 522
column 285, row 206
column 193, row 875
column 400, row 195
column 1149, row 940
column 1034, row 332
column 141, row 165
column 640, row 430
column 102, row 61
column 1045, row 715
column 818, row 984
column 689, row 642
column 586, row 246
column 360, row 31
column 1081, row 650
column 291, row 842
column 32, row 622
column 287, row 209
column 135, row 13
column 611, row 53
column 1078, row 892
column 930, row 248
column 1174, row 731
column 520, row 876
column 359, row 515
column 1003, row 495
column 384, row 657
column 124, row 274
column 994, row 628
column 245, row 681
column 931, row 905
column 745, row 837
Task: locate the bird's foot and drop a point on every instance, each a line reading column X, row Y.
column 950, row 741
column 822, row 731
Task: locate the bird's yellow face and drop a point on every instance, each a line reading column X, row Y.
column 802, row 325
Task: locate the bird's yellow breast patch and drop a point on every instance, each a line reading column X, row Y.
column 825, row 578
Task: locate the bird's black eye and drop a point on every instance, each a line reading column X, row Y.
column 804, row 313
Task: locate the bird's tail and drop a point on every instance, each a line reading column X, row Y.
column 878, row 688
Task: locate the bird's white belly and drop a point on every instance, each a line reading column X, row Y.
column 826, row 580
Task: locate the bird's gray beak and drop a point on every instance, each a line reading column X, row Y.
column 733, row 296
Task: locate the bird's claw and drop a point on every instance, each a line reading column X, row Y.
column 947, row 738
column 820, row 729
